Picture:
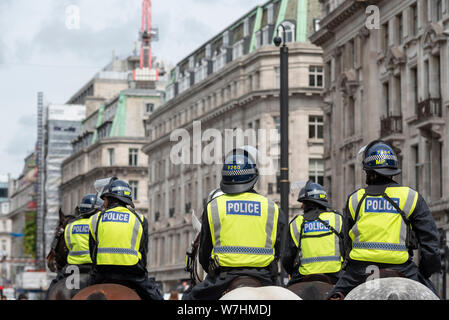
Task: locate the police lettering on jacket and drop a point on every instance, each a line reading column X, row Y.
column 80, row 229
column 112, row 216
column 380, row 205
column 242, row 207
column 315, row 226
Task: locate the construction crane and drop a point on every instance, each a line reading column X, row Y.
column 145, row 72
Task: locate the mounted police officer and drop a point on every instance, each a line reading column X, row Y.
column 119, row 242
column 76, row 234
column 241, row 230
column 76, row 237
column 386, row 222
column 315, row 244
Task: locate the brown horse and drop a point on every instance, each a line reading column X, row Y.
column 106, row 291
column 57, row 261
column 313, row 287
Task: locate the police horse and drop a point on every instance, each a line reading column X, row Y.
column 57, row 262
column 395, row 288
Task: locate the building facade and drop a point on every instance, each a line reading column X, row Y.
column 5, row 231
column 387, row 79
column 231, row 83
column 20, row 222
column 110, row 144
column 62, row 125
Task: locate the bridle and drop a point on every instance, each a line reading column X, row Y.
column 55, row 244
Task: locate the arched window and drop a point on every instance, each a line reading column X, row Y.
column 289, row 31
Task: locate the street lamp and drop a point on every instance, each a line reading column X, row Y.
column 283, row 181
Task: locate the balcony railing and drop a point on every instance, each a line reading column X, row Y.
column 429, row 108
column 390, row 125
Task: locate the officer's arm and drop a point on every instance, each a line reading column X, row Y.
column 428, row 236
column 281, row 235
column 289, row 253
column 205, row 247
column 91, row 246
column 348, row 223
column 144, row 241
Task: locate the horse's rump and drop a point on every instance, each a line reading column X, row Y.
column 107, row 291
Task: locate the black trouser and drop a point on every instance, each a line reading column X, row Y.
column 300, row 278
column 145, row 287
column 213, row 287
column 355, row 274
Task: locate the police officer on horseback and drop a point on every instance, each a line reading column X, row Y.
column 119, row 242
column 315, row 245
column 241, row 230
column 76, row 238
column 386, row 222
column 76, row 234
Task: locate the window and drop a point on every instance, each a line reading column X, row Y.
column 316, row 25
column 237, row 51
column 270, row 188
column 398, row 92
column 385, row 36
column 265, row 32
column 134, row 185
column 3, row 193
column 400, row 28
column 386, row 94
column 149, row 107
column 277, row 71
column 350, row 118
column 416, row 166
column 111, row 157
column 316, row 76
column 414, row 91
column 414, row 20
column 289, row 31
column 277, row 124
column 315, row 127
column 133, row 153
column 316, row 170
column 439, row 10
column 219, row 59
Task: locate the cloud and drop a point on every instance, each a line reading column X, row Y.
column 39, row 53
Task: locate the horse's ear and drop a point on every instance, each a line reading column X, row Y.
column 61, row 215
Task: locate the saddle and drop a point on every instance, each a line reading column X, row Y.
column 243, row 281
column 389, row 273
column 317, row 277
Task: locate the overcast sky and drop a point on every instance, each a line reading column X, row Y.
column 42, row 49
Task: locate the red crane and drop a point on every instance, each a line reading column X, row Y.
column 145, row 71
column 145, row 31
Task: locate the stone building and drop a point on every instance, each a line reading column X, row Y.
column 20, row 222
column 389, row 81
column 110, row 144
column 231, row 82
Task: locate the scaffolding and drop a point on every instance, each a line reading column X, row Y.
column 63, row 124
column 40, row 254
